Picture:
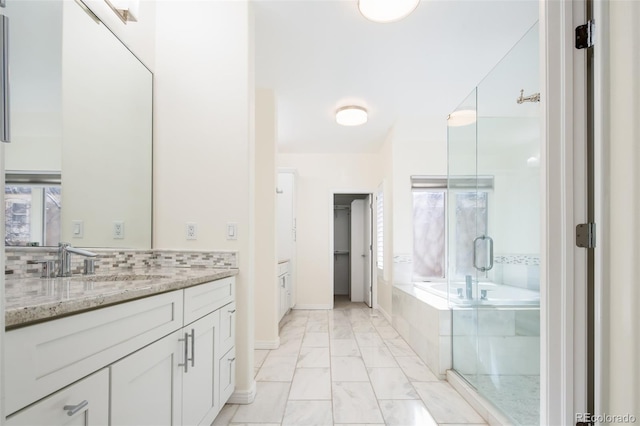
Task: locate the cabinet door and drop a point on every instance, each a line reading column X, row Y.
column 227, row 327
column 227, row 375
column 145, row 386
column 200, row 378
column 84, row 403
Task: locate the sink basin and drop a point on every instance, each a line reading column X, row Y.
column 119, row 277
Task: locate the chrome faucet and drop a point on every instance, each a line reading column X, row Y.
column 64, row 258
column 469, row 286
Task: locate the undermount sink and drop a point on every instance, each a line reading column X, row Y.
column 119, row 277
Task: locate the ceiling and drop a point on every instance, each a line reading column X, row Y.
column 319, row 55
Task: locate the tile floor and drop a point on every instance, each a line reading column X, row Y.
column 342, row 367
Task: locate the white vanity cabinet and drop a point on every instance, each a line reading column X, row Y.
column 165, row 359
column 83, row 403
column 146, row 385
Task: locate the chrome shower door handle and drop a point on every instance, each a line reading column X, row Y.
column 5, row 125
column 475, row 252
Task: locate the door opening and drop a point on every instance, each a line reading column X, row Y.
column 352, row 249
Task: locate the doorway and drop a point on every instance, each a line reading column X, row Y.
column 352, row 248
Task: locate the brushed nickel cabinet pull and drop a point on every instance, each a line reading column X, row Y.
column 73, row 409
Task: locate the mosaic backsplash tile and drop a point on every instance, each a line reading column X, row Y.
column 517, row 259
column 23, row 262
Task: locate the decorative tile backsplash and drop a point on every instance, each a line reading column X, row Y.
column 23, row 262
column 517, row 259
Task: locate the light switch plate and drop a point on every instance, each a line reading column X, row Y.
column 77, row 228
column 232, row 231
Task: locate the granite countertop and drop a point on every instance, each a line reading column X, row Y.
column 30, row 300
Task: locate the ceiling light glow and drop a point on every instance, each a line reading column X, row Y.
column 351, row 116
column 384, row 11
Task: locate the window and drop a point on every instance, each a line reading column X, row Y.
column 380, row 228
column 431, row 194
column 32, row 210
column 429, row 231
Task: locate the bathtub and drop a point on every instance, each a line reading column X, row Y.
column 496, row 294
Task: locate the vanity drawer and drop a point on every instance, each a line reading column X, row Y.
column 43, row 358
column 202, row 299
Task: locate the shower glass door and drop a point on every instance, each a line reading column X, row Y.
column 494, row 236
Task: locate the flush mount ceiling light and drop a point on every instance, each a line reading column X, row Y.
column 351, row 116
column 127, row 10
column 384, row 11
column 461, row 117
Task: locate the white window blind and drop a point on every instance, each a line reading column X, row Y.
column 380, row 229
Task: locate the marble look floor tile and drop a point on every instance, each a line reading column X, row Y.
column 311, row 383
column 391, row 383
column 313, row 358
column 445, row 404
column 254, row 424
column 378, row 357
column 367, row 340
column 348, row 369
column 225, row 415
column 399, row 347
column 287, row 348
column 267, row 407
column 359, row 424
column 415, row 369
column 355, row 402
column 344, row 347
column 259, row 356
column 363, row 327
column 316, row 340
column 292, row 333
column 406, row 413
column 341, row 332
column 303, row 413
column 277, row 369
column 387, row 332
column 317, row 327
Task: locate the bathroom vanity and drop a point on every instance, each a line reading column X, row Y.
column 152, row 347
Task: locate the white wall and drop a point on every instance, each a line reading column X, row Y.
column 622, row 202
column 319, row 176
column 266, row 285
column 204, row 143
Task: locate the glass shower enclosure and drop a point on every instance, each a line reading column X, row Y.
column 494, row 234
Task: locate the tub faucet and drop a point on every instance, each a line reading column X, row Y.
column 469, row 286
column 64, row 258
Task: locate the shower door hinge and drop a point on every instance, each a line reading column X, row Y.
column 586, row 235
column 584, row 35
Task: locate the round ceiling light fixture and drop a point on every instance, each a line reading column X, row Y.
column 384, row 11
column 351, row 116
column 461, row 117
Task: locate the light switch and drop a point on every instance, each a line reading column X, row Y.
column 232, row 231
column 77, row 228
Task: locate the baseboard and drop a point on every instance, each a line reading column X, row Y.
column 243, row 396
column 487, row 410
column 267, row 344
column 385, row 314
column 313, row 306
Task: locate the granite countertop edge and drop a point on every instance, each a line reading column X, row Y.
column 34, row 300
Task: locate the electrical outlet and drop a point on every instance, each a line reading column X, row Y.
column 191, row 231
column 118, row 230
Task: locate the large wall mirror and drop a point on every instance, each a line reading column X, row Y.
column 79, row 165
